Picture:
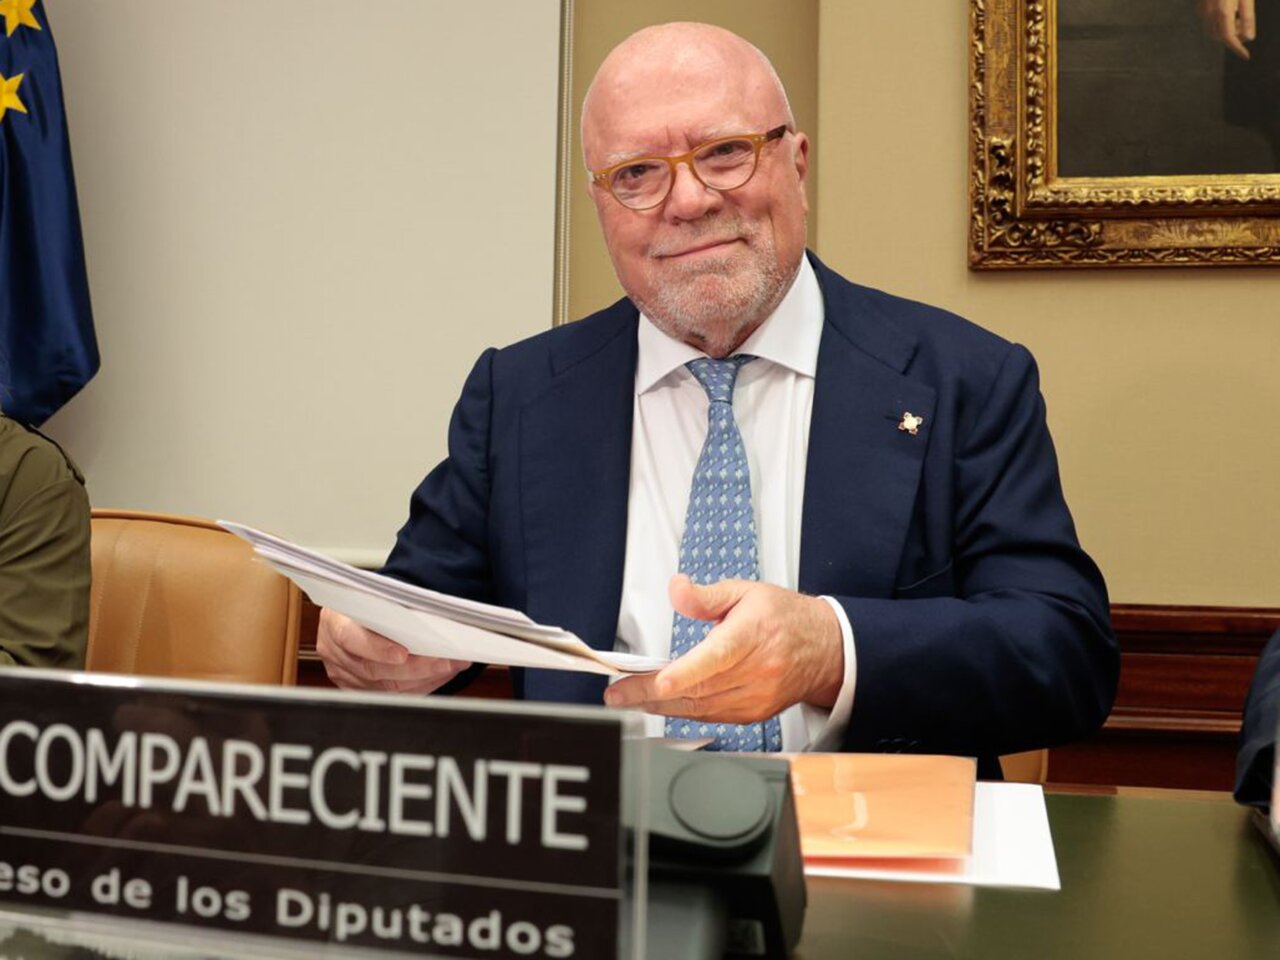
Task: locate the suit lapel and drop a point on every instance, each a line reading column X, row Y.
column 575, row 460
column 863, row 471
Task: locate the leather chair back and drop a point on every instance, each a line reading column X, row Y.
column 181, row 597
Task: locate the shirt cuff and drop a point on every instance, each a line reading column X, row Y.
column 826, row 727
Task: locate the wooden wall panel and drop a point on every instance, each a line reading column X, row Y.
column 1184, row 673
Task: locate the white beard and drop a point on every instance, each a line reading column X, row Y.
column 711, row 301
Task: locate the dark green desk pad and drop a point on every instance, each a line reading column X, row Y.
column 1141, row 878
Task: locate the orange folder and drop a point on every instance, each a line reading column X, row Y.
column 883, row 806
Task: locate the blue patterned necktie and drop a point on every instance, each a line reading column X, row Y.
column 719, row 541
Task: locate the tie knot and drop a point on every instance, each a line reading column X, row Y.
column 717, row 376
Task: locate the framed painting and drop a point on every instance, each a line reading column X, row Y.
column 1117, row 133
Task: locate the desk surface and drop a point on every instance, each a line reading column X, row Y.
column 1141, row 877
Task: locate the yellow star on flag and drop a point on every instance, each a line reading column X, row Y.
column 17, row 13
column 9, row 95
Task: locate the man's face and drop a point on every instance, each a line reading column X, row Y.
column 707, row 266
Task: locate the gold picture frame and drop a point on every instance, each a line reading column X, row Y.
column 1025, row 215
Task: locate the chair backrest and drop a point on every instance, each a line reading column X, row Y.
column 181, row 597
column 1029, row 767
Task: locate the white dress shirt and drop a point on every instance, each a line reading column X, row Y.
column 772, row 403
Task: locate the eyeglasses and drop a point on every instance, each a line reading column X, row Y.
column 726, row 163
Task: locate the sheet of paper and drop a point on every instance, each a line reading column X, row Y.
column 1012, row 846
column 429, row 635
column 435, row 624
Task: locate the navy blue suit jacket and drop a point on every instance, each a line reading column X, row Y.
column 980, row 625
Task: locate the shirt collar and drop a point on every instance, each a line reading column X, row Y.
column 789, row 337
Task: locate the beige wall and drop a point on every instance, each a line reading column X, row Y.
column 1163, row 386
column 292, row 244
column 295, row 213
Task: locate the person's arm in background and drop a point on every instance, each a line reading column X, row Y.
column 1255, row 763
column 1231, row 22
column 44, row 561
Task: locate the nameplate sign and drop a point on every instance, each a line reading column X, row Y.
column 439, row 827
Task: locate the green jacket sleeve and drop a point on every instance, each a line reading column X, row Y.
column 44, row 565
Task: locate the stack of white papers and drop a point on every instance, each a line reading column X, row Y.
column 1012, row 846
column 434, row 624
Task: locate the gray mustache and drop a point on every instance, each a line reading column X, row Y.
column 703, row 232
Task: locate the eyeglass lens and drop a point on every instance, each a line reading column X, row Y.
column 723, row 165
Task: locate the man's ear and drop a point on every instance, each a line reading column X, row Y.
column 800, row 156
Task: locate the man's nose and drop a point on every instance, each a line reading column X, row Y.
column 689, row 198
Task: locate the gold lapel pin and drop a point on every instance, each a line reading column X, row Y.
column 911, row 423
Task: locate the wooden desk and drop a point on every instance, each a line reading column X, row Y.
column 1158, row 876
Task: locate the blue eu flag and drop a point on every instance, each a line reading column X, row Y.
column 47, row 347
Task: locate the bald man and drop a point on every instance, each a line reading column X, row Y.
column 838, row 511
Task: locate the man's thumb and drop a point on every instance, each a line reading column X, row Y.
column 705, row 602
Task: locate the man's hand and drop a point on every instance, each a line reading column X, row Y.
column 1233, row 22
column 771, row 648
column 359, row 659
